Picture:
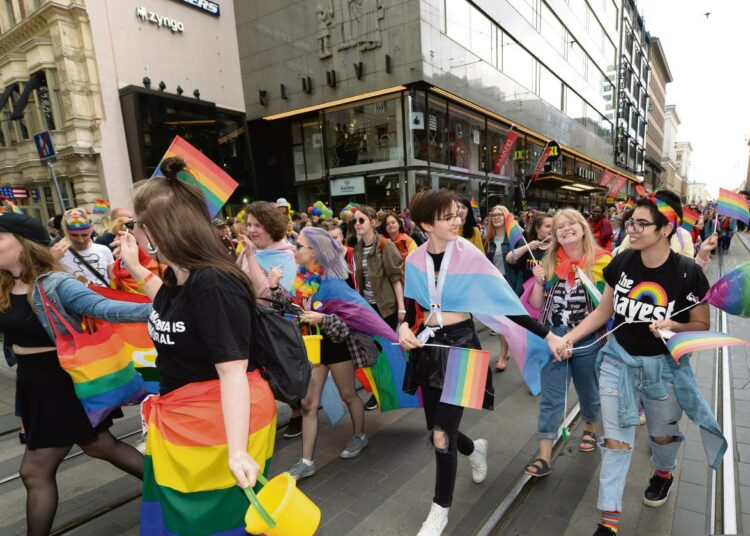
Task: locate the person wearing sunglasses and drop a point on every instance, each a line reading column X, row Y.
column 650, row 290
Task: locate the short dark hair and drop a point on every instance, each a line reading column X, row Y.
column 273, row 221
column 671, row 199
column 426, row 206
column 296, row 216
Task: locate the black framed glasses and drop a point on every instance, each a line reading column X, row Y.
column 130, row 224
column 637, row 226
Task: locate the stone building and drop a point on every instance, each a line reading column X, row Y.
column 657, row 89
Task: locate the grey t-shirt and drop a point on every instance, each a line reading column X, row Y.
column 497, row 258
column 367, row 292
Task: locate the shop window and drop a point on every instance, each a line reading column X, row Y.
column 437, row 130
column 517, row 62
column 383, row 191
column 418, row 119
column 466, row 138
column 550, row 87
column 461, row 187
column 364, row 134
column 496, row 136
column 313, row 144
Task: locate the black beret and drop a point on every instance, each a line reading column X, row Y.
column 25, row 226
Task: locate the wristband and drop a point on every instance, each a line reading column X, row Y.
column 144, row 280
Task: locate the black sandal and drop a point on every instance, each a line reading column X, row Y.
column 588, row 438
column 541, row 469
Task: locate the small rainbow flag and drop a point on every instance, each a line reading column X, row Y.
column 513, row 230
column 731, row 293
column 640, row 190
column 694, row 341
column 733, row 205
column 200, row 171
column 689, row 218
column 630, row 205
column 101, row 206
column 465, row 377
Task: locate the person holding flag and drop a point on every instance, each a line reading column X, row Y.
column 648, row 288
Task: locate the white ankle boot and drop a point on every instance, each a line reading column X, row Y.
column 436, row 521
column 478, row 460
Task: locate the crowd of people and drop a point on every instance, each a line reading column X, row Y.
column 573, row 276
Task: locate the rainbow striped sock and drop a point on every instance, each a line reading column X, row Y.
column 611, row 520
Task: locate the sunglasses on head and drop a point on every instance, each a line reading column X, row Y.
column 130, row 224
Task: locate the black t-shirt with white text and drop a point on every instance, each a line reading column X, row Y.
column 650, row 294
column 199, row 324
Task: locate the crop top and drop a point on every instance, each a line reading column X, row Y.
column 20, row 325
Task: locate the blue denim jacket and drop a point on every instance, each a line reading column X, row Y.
column 658, row 369
column 73, row 300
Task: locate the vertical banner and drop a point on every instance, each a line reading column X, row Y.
column 505, row 151
column 617, row 185
column 542, row 161
column 606, row 177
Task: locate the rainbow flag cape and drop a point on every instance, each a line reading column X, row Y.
column 200, row 171
column 731, row 293
column 680, row 344
column 187, row 486
column 689, row 218
column 465, row 377
column 733, row 205
column 284, row 259
column 386, row 376
column 512, row 230
column 101, row 206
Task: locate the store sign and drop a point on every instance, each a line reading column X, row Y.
column 347, row 186
column 211, row 8
column 160, row 20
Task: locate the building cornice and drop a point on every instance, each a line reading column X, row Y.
column 656, row 44
column 37, row 24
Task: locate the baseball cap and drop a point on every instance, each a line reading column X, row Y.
column 282, row 202
column 24, row 226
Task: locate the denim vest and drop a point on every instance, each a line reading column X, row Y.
column 656, row 370
column 73, row 300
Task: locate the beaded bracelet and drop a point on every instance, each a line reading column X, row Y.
column 145, row 279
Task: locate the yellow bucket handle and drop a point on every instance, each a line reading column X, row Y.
column 253, row 498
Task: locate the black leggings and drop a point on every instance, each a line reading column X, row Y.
column 445, row 418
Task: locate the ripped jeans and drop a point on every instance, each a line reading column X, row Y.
column 662, row 417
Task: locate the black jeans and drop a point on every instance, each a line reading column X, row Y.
column 446, row 418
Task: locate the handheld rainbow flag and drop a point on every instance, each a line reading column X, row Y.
column 187, row 485
column 101, row 206
column 640, row 190
column 731, row 293
column 630, row 205
column 513, row 230
column 689, row 218
column 733, row 205
column 200, row 171
column 465, row 377
column 695, row 341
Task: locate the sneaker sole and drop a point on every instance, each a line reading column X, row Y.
column 369, row 408
column 292, row 436
column 656, row 504
column 303, row 475
column 350, row 455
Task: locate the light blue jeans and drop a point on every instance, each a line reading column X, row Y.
column 662, row 417
column 556, row 376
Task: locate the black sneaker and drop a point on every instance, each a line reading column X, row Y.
column 601, row 530
column 658, row 491
column 294, row 428
column 371, row 403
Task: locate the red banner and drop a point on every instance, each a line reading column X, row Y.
column 606, row 177
column 617, row 186
column 540, row 165
column 505, row 151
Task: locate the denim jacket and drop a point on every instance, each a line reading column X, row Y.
column 656, row 370
column 74, row 300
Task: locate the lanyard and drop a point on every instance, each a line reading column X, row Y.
column 436, row 289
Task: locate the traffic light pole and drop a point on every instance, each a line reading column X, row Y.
column 57, row 184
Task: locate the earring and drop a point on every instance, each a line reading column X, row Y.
column 152, row 249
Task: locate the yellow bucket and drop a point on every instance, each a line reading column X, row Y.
column 312, row 345
column 280, row 509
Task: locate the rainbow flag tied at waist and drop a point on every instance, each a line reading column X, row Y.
column 386, row 376
column 472, row 284
column 187, row 486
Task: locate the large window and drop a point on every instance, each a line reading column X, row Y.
column 517, row 62
column 527, row 9
column 468, row 26
column 577, row 58
column 575, row 107
column 550, row 87
column 437, row 130
column 553, row 30
column 466, row 138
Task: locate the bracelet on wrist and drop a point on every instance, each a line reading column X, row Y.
column 144, row 280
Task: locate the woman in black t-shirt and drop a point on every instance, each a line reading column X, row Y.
column 201, row 326
column 645, row 288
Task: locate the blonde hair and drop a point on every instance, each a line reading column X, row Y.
column 118, row 224
column 549, row 262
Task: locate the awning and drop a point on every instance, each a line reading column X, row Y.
column 6, row 94
column 33, row 83
column 554, row 181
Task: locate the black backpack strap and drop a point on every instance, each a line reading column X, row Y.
column 90, row 268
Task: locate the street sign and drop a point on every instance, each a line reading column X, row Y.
column 44, row 146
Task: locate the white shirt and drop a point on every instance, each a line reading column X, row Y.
column 98, row 256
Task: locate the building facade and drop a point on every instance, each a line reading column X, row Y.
column 697, row 193
column 657, row 94
column 372, row 101
column 671, row 177
column 114, row 81
column 683, row 156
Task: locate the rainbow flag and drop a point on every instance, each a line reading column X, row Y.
column 101, row 206
column 187, row 486
column 680, row 344
column 630, row 205
column 731, row 293
column 213, row 181
column 513, row 231
column 640, row 190
column 689, row 218
column 465, row 377
column 733, row 205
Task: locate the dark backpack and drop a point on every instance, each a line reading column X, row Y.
column 279, row 351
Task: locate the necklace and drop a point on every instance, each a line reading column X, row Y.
column 307, row 281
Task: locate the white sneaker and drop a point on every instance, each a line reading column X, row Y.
column 478, row 460
column 436, row 521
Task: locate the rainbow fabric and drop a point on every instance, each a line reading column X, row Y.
column 386, row 376
column 77, row 219
column 630, row 204
column 640, row 190
column 731, row 293
column 284, row 259
column 695, row 341
column 101, row 206
column 689, row 218
column 187, row 486
column 667, row 211
column 465, row 377
column 213, row 181
column 733, row 205
column 512, row 230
